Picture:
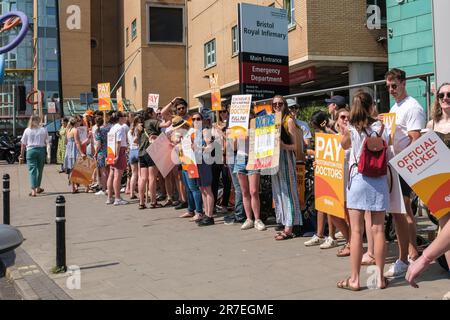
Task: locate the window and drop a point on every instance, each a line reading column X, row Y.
column 127, row 36
column 133, row 30
column 235, row 40
column 165, row 24
column 289, row 5
column 210, row 53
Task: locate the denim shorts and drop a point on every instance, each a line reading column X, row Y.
column 133, row 157
column 240, row 166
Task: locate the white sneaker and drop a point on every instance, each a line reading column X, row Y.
column 109, row 201
column 339, row 235
column 397, row 270
column 100, row 193
column 248, row 224
column 314, row 241
column 259, row 225
column 329, row 243
column 120, row 202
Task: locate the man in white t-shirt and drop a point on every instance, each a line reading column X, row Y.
column 410, row 119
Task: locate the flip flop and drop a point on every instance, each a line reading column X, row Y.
column 345, row 284
column 284, row 236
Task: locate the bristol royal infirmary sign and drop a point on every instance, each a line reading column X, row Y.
column 264, row 56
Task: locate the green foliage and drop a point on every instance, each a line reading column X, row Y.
column 305, row 113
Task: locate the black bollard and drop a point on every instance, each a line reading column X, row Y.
column 61, row 233
column 6, row 204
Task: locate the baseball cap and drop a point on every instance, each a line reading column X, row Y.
column 338, row 100
column 291, row 103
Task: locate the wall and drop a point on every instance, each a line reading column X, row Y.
column 75, row 50
column 411, row 43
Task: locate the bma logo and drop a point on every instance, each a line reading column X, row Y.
column 73, row 282
column 73, row 22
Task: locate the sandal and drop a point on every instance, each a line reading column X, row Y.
column 284, row 236
column 344, row 251
column 31, row 195
column 345, row 284
column 366, row 262
column 40, row 190
column 142, row 207
column 168, row 203
column 386, row 283
column 196, row 218
column 155, row 205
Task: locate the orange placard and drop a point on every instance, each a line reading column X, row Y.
column 82, row 171
column 104, row 97
column 389, row 120
column 329, row 175
column 216, row 98
column 257, row 109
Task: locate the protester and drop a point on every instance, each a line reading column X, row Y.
column 284, row 182
column 249, row 181
column 101, row 150
column 342, row 119
column 365, row 193
column 202, row 145
column 334, row 104
column 440, row 124
column 133, row 140
column 62, row 143
column 321, row 124
column 181, row 131
column 34, row 141
column 410, row 120
column 293, row 109
column 147, row 132
column 118, row 120
column 74, row 148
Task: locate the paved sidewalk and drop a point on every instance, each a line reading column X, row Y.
column 125, row 253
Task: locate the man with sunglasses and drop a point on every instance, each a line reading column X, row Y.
column 334, row 104
column 410, row 120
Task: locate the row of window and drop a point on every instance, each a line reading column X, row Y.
column 210, row 48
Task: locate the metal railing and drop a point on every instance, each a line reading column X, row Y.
column 373, row 85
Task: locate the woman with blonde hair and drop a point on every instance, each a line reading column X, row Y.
column 34, row 140
column 74, row 148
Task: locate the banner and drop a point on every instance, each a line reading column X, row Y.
column 153, row 101
column 188, row 159
column 216, row 98
column 329, row 175
column 239, row 116
column 389, row 120
column 264, row 54
column 264, row 149
column 119, row 99
column 104, row 96
column 161, row 153
column 425, row 167
column 111, row 148
column 51, row 107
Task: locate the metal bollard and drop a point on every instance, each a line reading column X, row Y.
column 6, row 203
column 61, row 233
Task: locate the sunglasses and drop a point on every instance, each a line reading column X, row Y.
column 196, row 119
column 343, row 117
column 444, row 95
column 393, row 86
column 277, row 104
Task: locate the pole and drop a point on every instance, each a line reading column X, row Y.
column 15, row 103
column 123, row 74
column 61, row 233
column 6, row 203
column 58, row 47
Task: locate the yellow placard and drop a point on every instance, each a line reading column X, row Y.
column 104, row 96
column 216, row 98
column 119, row 99
column 329, row 175
column 389, row 120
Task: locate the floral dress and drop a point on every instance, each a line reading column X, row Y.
column 61, row 146
column 102, row 136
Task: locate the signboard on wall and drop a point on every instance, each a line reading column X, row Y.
column 264, row 56
column 441, row 25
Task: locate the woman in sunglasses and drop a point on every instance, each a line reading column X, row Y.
column 284, row 182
